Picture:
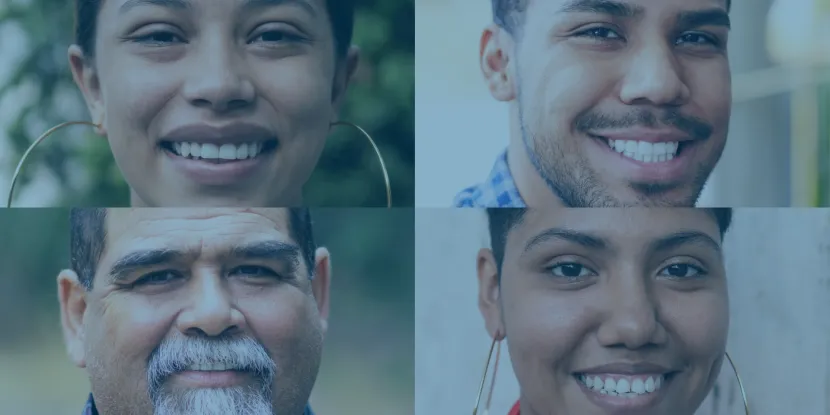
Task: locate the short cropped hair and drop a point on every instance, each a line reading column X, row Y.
column 501, row 220
column 341, row 16
column 88, row 235
column 509, row 14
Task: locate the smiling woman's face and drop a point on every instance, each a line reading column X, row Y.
column 596, row 303
column 214, row 102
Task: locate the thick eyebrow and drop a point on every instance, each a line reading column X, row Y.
column 609, row 7
column 698, row 18
column 284, row 252
column 172, row 4
column 580, row 238
column 679, row 239
column 135, row 260
column 247, row 4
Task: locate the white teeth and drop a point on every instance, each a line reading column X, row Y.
column 627, row 386
column 223, row 152
column 644, row 151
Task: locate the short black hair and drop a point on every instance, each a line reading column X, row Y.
column 341, row 16
column 88, row 235
column 501, row 220
column 509, row 14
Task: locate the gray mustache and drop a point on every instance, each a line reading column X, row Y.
column 176, row 354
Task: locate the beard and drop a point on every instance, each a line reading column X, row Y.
column 243, row 354
column 570, row 177
column 224, row 401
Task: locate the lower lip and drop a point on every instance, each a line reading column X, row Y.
column 210, row 379
column 216, row 174
column 672, row 170
column 620, row 405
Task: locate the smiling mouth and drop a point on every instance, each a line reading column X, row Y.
column 647, row 152
column 219, row 153
column 626, row 386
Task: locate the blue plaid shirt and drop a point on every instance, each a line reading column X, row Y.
column 499, row 191
column 89, row 408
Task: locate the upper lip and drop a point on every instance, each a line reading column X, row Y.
column 627, row 369
column 236, row 133
column 645, row 134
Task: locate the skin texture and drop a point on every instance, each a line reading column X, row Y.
column 216, row 62
column 627, row 305
column 113, row 329
column 571, row 77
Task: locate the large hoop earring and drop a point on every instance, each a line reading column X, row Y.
column 32, row 147
column 496, row 367
column 52, row 130
column 377, row 152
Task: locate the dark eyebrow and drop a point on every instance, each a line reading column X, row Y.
column 258, row 4
column 697, row 18
column 580, row 238
column 285, row 252
column 609, row 7
column 141, row 259
column 247, row 4
column 679, row 239
column 173, row 4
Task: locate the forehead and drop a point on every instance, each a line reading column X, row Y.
column 617, row 226
column 207, row 228
column 312, row 7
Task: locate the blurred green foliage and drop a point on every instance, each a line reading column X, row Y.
column 381, row 100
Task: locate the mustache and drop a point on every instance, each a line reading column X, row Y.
column 177, row 354
column 695, row 127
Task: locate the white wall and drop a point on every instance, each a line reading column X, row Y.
column 777, row 262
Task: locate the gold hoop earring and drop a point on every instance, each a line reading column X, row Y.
column 32, row 147
column 495, row 345
column 740, row 383
column 377, row 152
column 496, row 366
column 52, row 130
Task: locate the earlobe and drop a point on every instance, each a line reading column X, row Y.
column 321, row 283
column 489, row 293
column 86, row 78
column 72, row 299
column 346, row 71
column 494, row 63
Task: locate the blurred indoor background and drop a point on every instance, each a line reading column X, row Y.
column 74, row 167
column 779, row 293
column 368, row 360
column 778, row 152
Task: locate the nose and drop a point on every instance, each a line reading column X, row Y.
column 654, row 77
column 219, row 79
column 631, row 314
column 209, row 310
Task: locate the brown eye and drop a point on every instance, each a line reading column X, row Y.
column 253, row 271
column 158, row 278
column 570, row 270
column 682, row 271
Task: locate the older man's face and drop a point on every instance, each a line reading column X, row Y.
column 201, row 312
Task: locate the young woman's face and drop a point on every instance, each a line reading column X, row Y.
column 618, row 311
column 214, row 102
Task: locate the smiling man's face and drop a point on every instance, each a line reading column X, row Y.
column 616, row 102
column 199, row 312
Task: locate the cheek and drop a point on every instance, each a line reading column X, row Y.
column 700, row 321
column 711, row 87
column 280, row 321
column 299, row 87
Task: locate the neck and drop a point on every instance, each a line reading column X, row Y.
column 532, row 187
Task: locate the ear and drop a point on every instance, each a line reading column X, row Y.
column 86, row 78
column 489, row 293
column 493, row 52
column 346, row 70
column 321, row 283
column 72, row 298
